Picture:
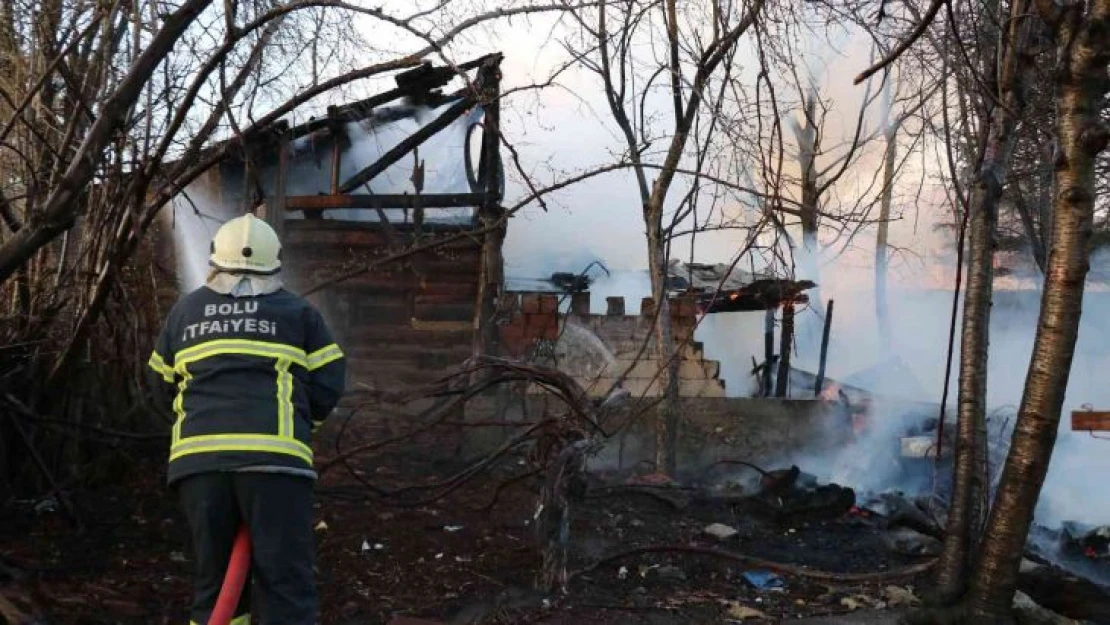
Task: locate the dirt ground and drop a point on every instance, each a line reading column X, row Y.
column 468, row 557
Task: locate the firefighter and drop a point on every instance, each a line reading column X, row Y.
column 256, row 372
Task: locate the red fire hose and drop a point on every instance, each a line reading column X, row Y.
column 236, row 577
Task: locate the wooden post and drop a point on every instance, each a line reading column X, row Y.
column 246, row 200
column 275, row 206
column 418, row 189
column 490, row 213
column 768, row 350
column 787, row 340
column 336, row 152
column 824, row 350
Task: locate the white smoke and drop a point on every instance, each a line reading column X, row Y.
column 193, row 217
column 1075, row 488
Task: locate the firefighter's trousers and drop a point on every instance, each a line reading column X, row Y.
column 277, row 509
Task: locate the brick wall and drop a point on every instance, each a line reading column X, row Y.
column 403, row 323
column 600, row 350
column 528, row 319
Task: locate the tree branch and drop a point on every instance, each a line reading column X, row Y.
column 898, row 51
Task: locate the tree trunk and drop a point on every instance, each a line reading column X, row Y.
column 809, row 263
column 666, row 426
column 1083, row 46
column 970, row 471
column 562, row 478
column 882, row 252
column 810, row 206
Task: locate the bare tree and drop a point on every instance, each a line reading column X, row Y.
column 693, row 60
column 1082, row 55
column 1009, row 44
column 893, row 125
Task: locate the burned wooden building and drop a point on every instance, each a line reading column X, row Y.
column 390, row 216
column 390, row 213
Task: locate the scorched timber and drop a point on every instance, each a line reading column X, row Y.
column 413, row 267
column 759, row 295
column 372, row 285
column 406, row 336
column 444, row 312
column 414, row 140
column 326, row 233
column 393, row 201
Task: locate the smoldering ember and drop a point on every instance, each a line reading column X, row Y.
column 703, row 312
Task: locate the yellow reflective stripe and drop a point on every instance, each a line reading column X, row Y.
column 241, row 442
column 284, row 397
column 323, row 356
column 179, row 402
column 241, row 347
column 159, row 365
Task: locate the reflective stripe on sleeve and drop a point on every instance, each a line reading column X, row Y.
column 157, row 363
column 323, row 356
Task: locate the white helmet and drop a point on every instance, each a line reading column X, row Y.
column 246, row 245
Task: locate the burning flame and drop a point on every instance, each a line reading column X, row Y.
column 830, row 392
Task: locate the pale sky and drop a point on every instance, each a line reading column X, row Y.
column 568, row 127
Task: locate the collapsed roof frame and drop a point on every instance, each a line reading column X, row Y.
column 422, row 85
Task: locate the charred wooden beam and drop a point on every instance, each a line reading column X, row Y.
column 275, row 205
column 417, row 138
column 768, row 350
column 824, row 350
column 384, row 201
column 785, row 346
column 356, row 111
column 490, row 213
column 336, row 159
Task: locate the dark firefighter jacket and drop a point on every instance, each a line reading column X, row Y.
column 253, row 375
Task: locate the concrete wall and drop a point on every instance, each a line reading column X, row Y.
column 760, row 431
column 711, row 428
